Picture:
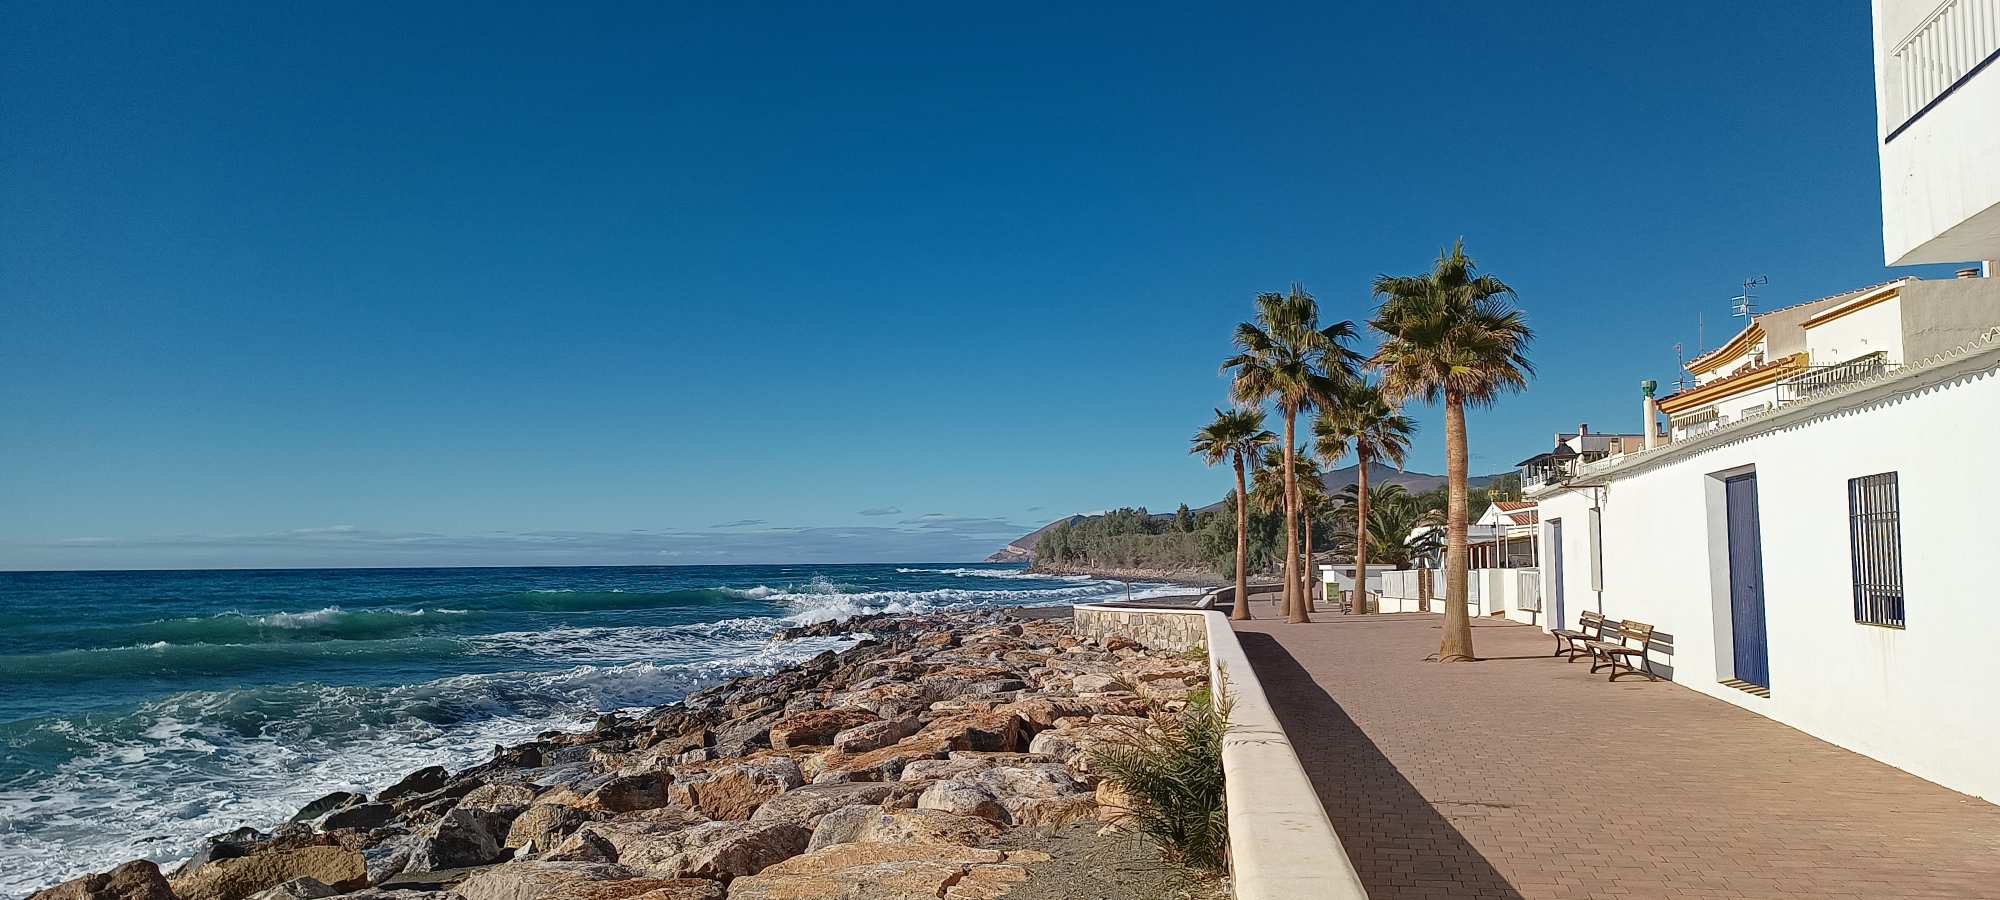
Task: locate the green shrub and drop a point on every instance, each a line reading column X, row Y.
column 1172, row 771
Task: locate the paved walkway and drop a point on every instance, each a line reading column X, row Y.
column 1520, row 776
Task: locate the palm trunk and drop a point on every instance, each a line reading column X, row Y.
column 1360, row 606
column 1241, row 612
column 1457, row 644
column 1295, row 607
column 1305, row 565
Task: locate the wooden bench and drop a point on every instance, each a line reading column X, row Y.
column 1570, row 641
column 1633, row 639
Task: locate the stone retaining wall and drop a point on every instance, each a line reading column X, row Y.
column 1168, row 630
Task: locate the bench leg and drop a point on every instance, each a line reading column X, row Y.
column 1645, row 668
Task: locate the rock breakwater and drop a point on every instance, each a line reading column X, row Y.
column 888, row 770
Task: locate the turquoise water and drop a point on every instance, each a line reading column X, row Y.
column 140, row 711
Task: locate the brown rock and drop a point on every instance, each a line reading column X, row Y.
column 627, row 793
column 543, row 826
column 963, row 798
column 875, row 735
column 541, row 880
column 136, row 880
column 805, row 805
column 735, row 789
column 715, row 850
column 234, row 879
column 1114, row 806
column 990, row 731
column 498, row 797
column 817, row 728
column 863, row 824
column 866, row 871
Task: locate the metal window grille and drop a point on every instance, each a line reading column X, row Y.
column 1875, row 536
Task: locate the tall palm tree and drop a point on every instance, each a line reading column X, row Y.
column 1286, row 357
column 1236, row 435
column 1455, row 335
column 1314, row 503
column 1364, row 420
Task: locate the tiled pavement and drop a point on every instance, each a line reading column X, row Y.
column 1522, row 776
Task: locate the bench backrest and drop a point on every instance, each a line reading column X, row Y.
column 1635, row 634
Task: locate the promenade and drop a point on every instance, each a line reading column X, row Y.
column 1522, row 776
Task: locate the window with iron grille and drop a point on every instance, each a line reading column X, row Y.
column 1875, row 535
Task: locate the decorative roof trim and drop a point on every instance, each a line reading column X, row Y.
column 1886, row 293
column 1732, row 384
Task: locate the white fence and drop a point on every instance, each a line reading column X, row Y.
column 1514, row 593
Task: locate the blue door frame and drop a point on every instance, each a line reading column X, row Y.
column 1746, row 582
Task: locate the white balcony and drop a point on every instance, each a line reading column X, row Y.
column 1937, row 91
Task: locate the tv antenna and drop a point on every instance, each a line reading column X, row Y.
column 1745, row 305
column 1681, row 367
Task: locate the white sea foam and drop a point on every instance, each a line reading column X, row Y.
column 200, row 763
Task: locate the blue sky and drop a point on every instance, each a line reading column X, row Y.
column 757, row 282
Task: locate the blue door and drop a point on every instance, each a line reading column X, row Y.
column 1746, row 582
column 1556, row 617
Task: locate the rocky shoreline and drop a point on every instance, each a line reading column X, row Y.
column 910, row 765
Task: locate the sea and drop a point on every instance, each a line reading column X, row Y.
column 141, row 711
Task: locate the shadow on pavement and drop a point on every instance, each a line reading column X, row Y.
column 1400, row 844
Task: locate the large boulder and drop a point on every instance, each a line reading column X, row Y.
column 877, row 871
column 714, row 850
column 361, row 816
column 327, row 804
column 817, row 727
column 963, row 798
column 989, row 731
column 542, row 826
column 804, row 805
column 136, row 880
column 876, row 734
column 422, row 781
column 736, row 788
column 540, row 879
column 1018, row 786
column 861, row 824
column 499, row 798
column 627, row 793
column 235, row 879
column 462, row 837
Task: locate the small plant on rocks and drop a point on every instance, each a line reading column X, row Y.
column 1172, row 773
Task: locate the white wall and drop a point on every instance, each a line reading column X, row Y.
column 1940, row 186
column 1922, row 698
column 1859, row 333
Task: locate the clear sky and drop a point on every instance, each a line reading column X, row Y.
column 409, row 284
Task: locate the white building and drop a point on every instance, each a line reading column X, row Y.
column 1811, row 544
column 1791, row 354
column 1937, row 99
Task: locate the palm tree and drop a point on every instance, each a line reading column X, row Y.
column 1362, row 419
column 1236, row 435
column 1313, row 504
column 1286, row 357
column 1391, row 528
column 1454, row 335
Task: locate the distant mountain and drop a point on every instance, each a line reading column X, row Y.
column 1414, row 482
column 1022, row 549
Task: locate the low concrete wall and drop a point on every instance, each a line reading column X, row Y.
column 1281, row 844
column 1159, row 629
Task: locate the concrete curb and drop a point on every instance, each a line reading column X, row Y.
column 1281, row 844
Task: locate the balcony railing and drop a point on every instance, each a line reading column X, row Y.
column 1818, row 379
column 1957, row 38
